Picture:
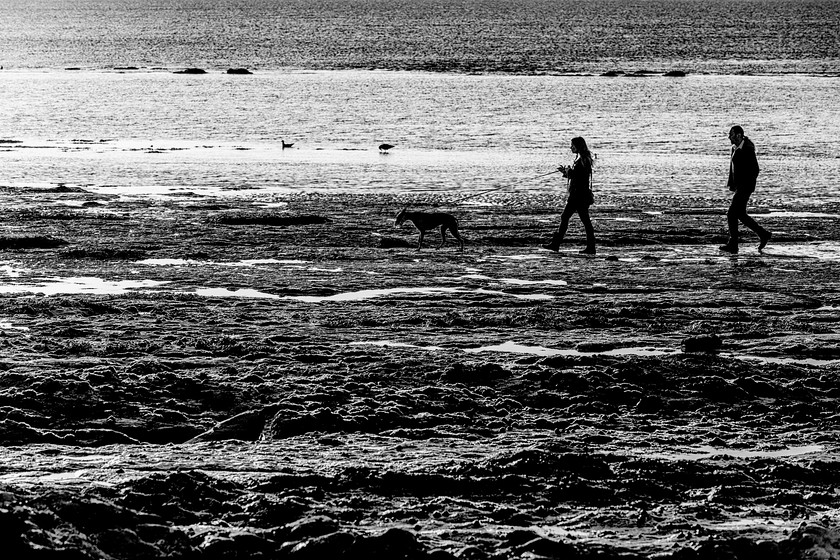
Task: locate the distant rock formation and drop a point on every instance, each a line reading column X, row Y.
column 191, row 71
column 675, row 74
column 238, row 71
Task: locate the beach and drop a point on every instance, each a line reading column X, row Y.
column 217, row 343
column 201, row 377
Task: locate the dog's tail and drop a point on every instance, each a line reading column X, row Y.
column 400, row 217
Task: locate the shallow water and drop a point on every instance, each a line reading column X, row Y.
column 423, row 291
column 456, row 135
column 709, row 452
column 515, row 348
column 82, row 285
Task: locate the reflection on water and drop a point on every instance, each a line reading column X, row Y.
column 81, row 285
column 191, row 262
column 528, row 257
column 98, row 286
column 11, row 271
column 369, row 294
column 788, row 361
column 511, row 347
column 9, row 326
column 709, row 452
column 819, row 250
column 391, row 344
column 515, row 348
column 512, row 281
column 520, row 282
column 822, row 250
column 791, row 214
column 240, row 293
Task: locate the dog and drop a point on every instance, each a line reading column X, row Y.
column 424, row 221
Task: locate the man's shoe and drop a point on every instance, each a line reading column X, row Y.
column 763, row 242
column 588, row 251
column 550, row 247
column 729, row 249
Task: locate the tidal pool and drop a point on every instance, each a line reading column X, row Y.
column 369, row 294
column 516, row 348
column 80, row 285
column 191, row 262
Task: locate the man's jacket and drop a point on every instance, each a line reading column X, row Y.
column 743, row 168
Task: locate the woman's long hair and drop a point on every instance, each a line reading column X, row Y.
column 583, row 151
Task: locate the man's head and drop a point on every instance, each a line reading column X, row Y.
column 736, row 134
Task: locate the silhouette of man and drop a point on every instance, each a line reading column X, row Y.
column 743, row 173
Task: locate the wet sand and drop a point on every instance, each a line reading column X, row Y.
column 287, row 377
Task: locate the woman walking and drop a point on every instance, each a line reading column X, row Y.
column 580, row 198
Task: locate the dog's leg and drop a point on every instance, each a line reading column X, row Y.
column 442, row 236
column 454, row 229
column 420, row 240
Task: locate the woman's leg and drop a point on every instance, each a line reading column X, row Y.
column 583, row 212
column 565, row 216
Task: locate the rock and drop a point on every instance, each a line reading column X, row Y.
column 675, row 74
column 245, row 426
column 334, row 545
column 218, row 546
column 519, row 537
column 124, row 543
column 471, row 553
column 308, row 527
column 702, row 343
column 440, row 554
column 101, row 436
column 244, row 71
column 475, row 374
column 595, row 346
column 649, row 404
column 191, row 71
column 12, row 530
column 548, row 547
column 393, row 543
column 20, row 433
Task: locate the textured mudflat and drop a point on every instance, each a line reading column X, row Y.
column 217, row 378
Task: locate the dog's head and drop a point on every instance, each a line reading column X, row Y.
column 398, row 221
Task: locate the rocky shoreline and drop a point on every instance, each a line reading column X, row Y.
column 199, row 377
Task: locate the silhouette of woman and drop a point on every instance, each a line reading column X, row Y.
column 580, row 198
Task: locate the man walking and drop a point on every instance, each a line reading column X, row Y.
column 743, row 172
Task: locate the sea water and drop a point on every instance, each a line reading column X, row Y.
column 525, row 36
column 475, row 95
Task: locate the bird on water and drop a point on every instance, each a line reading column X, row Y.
column 385, row 147
column 284, row 145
